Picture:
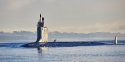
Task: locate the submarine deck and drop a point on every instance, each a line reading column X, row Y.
column 72, row 44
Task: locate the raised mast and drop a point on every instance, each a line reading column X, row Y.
column 116, row 40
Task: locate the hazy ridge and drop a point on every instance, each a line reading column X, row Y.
column 27, row 35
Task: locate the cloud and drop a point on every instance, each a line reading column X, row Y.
column 122, row 27
column 18, row 4
column 64, row 15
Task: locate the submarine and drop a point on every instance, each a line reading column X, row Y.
column 42, row 34
column 42, row 39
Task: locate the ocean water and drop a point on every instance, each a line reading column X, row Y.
column 98, row 53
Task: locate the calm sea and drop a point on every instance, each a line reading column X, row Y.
column 99, row 53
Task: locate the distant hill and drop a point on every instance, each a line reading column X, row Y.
column 17, row 35
column 27, row 35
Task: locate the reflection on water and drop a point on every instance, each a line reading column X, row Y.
column 42, row 49
column 39, row 49
column 104, row 53
column 41, row 53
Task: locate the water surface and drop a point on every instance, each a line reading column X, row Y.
column 99, row 53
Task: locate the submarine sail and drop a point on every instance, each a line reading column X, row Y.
column 42, row 32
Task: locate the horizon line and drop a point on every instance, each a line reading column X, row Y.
column 55, row 31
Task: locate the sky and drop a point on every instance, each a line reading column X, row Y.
column 79, row 16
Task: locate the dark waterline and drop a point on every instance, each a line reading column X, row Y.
column 62, row 44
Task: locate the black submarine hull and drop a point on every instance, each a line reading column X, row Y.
column 73, row 44
column 63, row 44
